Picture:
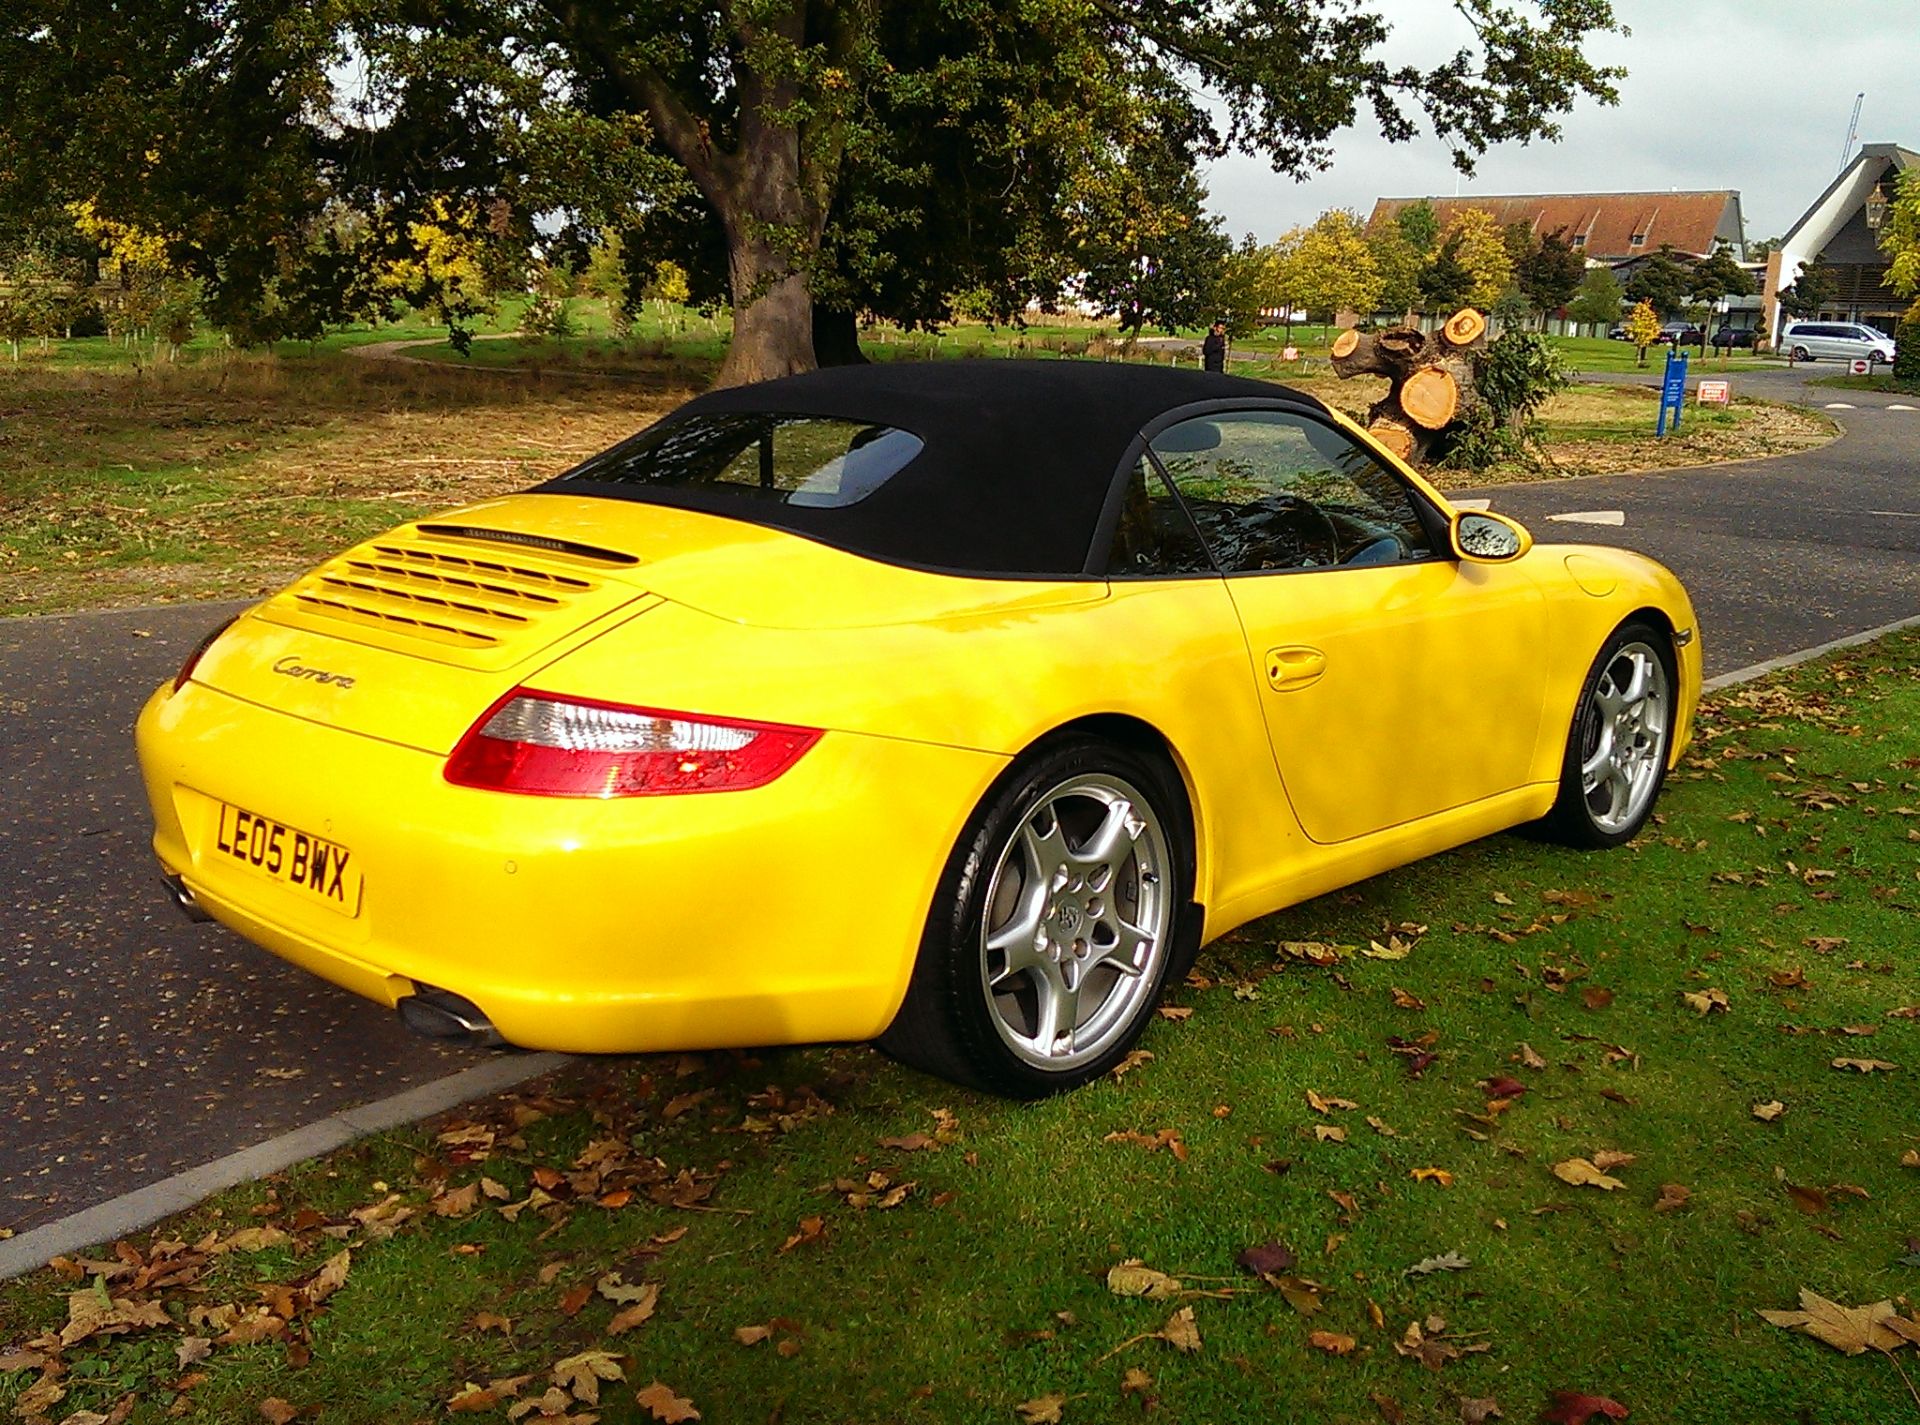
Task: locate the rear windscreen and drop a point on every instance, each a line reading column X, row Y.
column 757, row 457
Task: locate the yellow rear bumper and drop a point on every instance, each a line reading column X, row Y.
column 787, row 914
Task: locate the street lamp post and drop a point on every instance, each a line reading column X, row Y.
column 1876, row 207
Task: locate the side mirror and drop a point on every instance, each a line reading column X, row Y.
column 1487, row 538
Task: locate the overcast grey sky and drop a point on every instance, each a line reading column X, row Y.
column 1745, row 94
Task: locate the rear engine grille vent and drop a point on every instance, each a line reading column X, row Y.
column 446, row 596
column 530, row 541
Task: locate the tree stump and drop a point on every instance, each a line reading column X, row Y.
column 1434, row 386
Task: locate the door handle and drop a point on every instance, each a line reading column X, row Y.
column 1294, row 666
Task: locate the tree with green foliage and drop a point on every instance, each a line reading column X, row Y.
column 1149, row 253
column 1900, row 240
column 775, row 115
column 1551, row 274
column 1334, row 270
column 1810, row 290
column 1397, row 263
column 1245, row 291
column 1419, row 224
column 1446, row 282
column 1520, row 241
column 1515, row 376
column 1714, row 277
column 1480, row 246
column 1598, row 298
column 1664, row 281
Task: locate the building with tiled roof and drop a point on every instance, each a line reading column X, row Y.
column 1611, row 228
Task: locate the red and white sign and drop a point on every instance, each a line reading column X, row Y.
column 1291, row 353
column 1860, row 368
column 1714, row 393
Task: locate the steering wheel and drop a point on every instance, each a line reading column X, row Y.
column 1384, row 548
column 1288, row 499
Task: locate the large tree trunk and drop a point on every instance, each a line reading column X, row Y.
column 1433, row 386
column 836, row 336
column 772, row 317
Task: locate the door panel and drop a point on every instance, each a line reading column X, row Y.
column 1396, row 682
column 1428, row 692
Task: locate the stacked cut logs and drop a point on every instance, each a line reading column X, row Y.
column 1432, row 375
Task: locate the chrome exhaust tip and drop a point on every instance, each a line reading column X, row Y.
column 182, row 896
column 434, row 1013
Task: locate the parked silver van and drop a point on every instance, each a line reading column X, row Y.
column 1845, row 341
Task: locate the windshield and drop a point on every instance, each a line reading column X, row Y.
column 756, row 457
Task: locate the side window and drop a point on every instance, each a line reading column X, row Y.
column 1154, row 537
column 1271, row 490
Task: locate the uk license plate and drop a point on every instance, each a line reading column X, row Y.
column 321, row 869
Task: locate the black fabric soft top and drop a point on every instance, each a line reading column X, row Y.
column 1018, row 461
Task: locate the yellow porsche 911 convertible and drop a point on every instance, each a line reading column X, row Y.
column 953, row 705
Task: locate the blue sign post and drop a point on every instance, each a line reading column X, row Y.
column 1673, row 390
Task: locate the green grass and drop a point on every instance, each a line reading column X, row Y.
column 1785, row 844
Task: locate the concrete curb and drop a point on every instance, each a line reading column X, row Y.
column 1804, row 655
column 145, row 1206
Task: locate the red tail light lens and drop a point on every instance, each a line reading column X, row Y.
column 543, row 745
column 199, row 651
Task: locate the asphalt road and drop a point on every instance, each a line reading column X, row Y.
column 1778, row 554
column 134, row 1044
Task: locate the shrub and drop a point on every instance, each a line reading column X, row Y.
column 1906, row 350
column 1516, row 376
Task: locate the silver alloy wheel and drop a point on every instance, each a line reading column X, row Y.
column 1624, row 737
column 1077, row 922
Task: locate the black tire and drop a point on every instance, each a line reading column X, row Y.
column 1574, row 820
column 1800, row 354
column 950, row 1023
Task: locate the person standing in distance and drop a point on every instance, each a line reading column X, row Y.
column 1213, row 351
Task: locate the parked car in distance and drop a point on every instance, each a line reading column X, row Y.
column 1616, row 332
column 1680, row 334
column 1731, row 337
column 1843, row 341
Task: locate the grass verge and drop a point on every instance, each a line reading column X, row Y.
column 818, row 1235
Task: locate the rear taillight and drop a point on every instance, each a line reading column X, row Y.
column 551, row 746
column 199, row 651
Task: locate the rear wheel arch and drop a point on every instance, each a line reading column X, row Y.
column 1143, row 737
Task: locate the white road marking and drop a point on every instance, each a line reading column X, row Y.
column 1897, row 514
column 1591, row 517
column 1471, row 504
column 1841, row 406
column 1897, row 406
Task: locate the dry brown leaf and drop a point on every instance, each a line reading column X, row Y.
column 1607, row 1159
column 1182, row 1331
column 1135, row 1382
column 1135, row 1058
column 1379, row 1125
column 1327, row 1104
column 751, row 1335
column 1706, row 1001
column 1432, row 1175
column 1865, row 1066
column 581, row 1375
column 1332, row 1342
column 909, row 1142
column 1477, row 1410
column 1042, row 1409
column 1852, row 1329
column 1581, row 1173
column 634, row 1315
column 811, row 1229
column 1329, row 1133
column 1132, row 1278
column 276, row 1411
column 1910, row 1158
column 621, row 1292
column 665, row 1406
column 1769, row 1111
column 1672, row 1197
column 1530, row 1058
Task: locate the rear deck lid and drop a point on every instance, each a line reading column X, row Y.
column 461, row 591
